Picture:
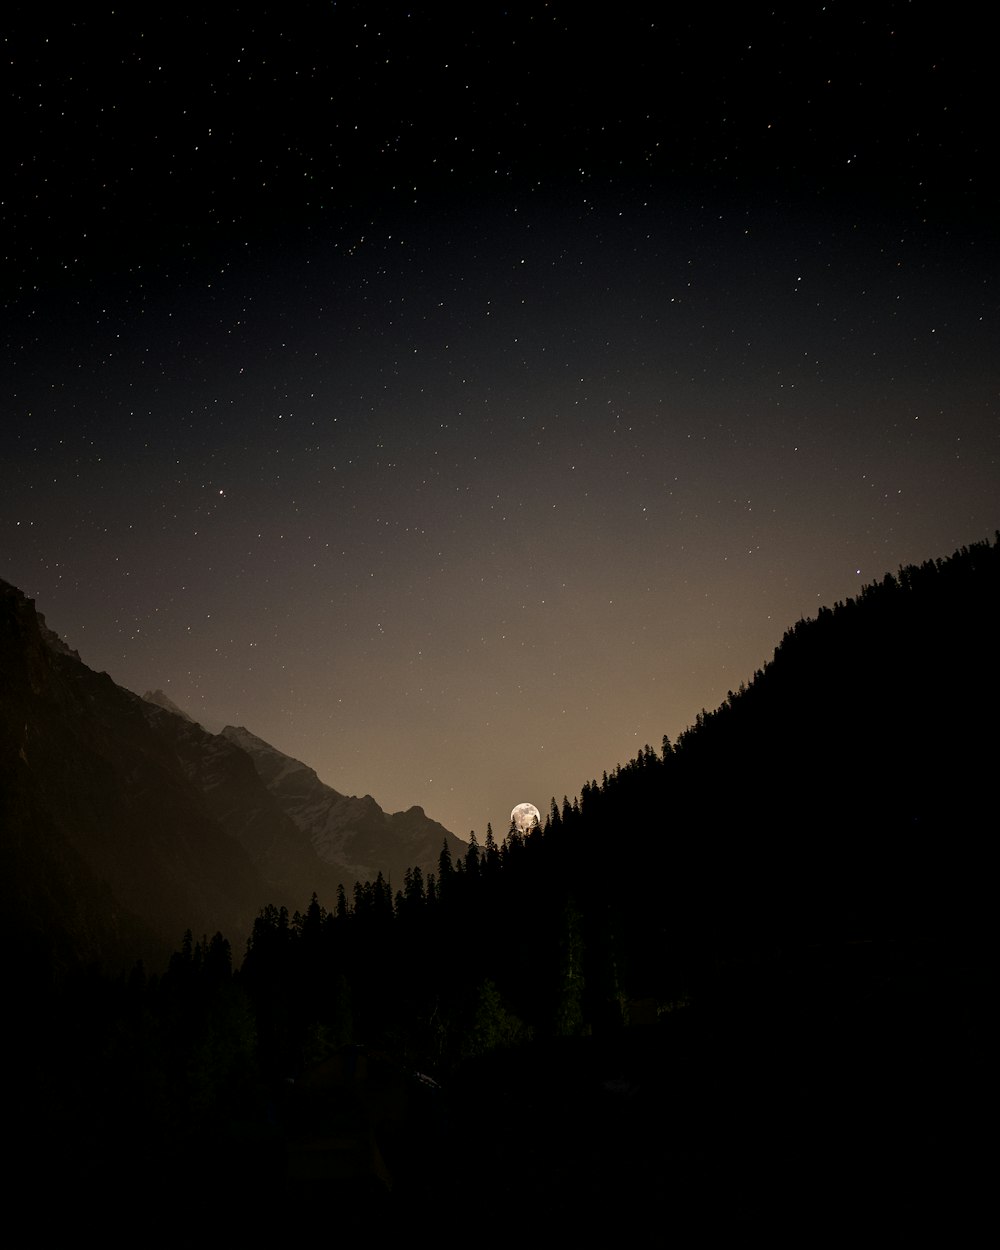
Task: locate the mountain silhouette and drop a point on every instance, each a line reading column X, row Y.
column 353, row 835
column 124, row 823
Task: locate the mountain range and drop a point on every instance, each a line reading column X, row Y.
column 125, row 823
column 859, row 761
column 755, row 963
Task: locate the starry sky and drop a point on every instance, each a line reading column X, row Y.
column 462, row 402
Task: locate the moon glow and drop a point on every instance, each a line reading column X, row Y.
column 525, row 817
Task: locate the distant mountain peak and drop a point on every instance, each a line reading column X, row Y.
column 273, row 766
column 52, row 639
column 160, row 699
column 21, row 606
column 349, row 833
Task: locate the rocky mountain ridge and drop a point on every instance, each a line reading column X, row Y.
column 123, row 822
column 349, row 833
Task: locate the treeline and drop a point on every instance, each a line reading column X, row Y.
column 486, row 952
column 842, row 800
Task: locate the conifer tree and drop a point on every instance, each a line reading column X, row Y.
column 472, row 857
column 446, row 870
column 491, row 852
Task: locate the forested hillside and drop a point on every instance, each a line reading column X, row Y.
column 758, row 952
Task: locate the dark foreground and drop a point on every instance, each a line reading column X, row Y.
column 838, row 1092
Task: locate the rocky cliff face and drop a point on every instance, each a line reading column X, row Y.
column 123, row 823
column 164, row 701
column 107, row 852
column 233, row 792
column 352, row 835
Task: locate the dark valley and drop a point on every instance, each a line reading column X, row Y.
column 738, row 984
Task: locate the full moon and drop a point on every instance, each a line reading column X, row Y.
column 525, row 817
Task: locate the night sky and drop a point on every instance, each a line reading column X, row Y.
column 462, row 403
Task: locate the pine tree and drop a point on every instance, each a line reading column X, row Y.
column 491, row 855
column 472, row 857
column 446, row 871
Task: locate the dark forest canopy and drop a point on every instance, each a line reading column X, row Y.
column 802, row 805
column 841, row 796
column 807, row 860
